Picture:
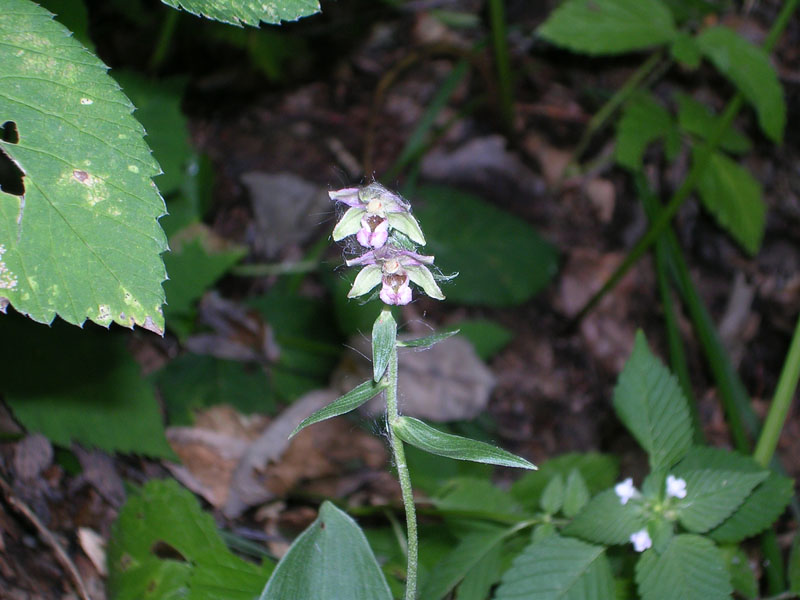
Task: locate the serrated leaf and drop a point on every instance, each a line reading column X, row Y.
column 608, row 26
column 423, row 436
column 330, row 559
column 479, row 580
column 456, row 564
column 501, row 260
column 344, row 404
column 599, row 471
column 164, row 546
column 643, row 121
column 733, row 196
column 558, row 568
column 427, row 341
column 759, row 510
column 553, row 495
column 80, row 386
column 576, row 494
column 698, row 119
column 743, row 579
column 248, row 12
column 691, row 568
column 685, row 50
column 606, row 520
column 384, row 338
column 748, row 67
column 475, row 494
column 649, row 401
column 84, row 241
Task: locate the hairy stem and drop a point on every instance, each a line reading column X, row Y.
column 405, row 479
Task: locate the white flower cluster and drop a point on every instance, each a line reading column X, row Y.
column 625, row 491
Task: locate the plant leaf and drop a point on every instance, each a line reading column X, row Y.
column 759, row 510
column 748, row 67
column 93, row 392
column 164, row 546
column 503, row 261
column 384, row 338
column 553, row 495
column 248, row 12
column 427, row 341
column 576, row 494
column 733, row 196
column 606, row 520
column 479, row 580
column 794, row 565
column 649, row 401
column 330, row 559
column 685, row 50
column 743, row 579
column 558, row 568
column 344, row 404
column 84, row 241
column 643, row 121
column 608, row 26
column 691, row 568
column 486, row 336
column 698, row 119
column 423, row 436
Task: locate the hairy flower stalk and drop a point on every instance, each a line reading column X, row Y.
column 383, row 226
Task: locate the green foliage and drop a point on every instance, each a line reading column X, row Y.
column 733, row 196
column 608, row 26
column 606, row 520
column 576, row 494
column 384, row 338
column 248, row 12
column 748, row 67
column 698, row 119
column 479, row 580
column 649, row 401
column 475, row 494
column 553, row 495
column 794, row 565
column 644, row 121
column 344, row 404
column 163, row 546
column 79, row 386
column 504, row 261
column 415, row 432
column 192, row 382
column 743, row 579
column 691, row 568
column 487, row 337
column 685, row 50
column 84, row 241
column 427, row 341
column 330, row 559
column 558, row 568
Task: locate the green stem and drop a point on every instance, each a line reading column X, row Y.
column 779, row 409
column 392, row 414
column 503, row 65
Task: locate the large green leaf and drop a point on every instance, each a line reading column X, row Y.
column 733, row 196
column 163, row 546
column 79, row 385
column 84, row 241
column 330, row 559
column 748, row 67
column 558, row 568
column 691, row 568
column 249, row 12
column 649, row 401
column 643, row 121
column 502, row 261
column 606, row 520
column 609, row 26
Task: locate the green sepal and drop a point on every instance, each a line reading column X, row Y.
column 349, row 224
column 367, row 278
column 420, row 275
column 405, row 223
column 384, row 337
column 427, row 341
column 423, row 436
column 344, row 404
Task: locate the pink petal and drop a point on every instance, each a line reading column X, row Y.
column 348, row 196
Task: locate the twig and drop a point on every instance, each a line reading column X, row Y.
column 47, row 537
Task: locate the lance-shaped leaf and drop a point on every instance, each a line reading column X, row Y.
column 81, row 237
column 384, row 337
column 248, row 12
column 331, row 559
column 423, row 436
column 344, row 404
column 427, row 341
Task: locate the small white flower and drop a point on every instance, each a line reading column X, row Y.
column 676, row 487
column 625, row 490
column 641, row 540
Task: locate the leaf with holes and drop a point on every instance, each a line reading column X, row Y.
column 81, row 240
column 609, row 26
column 248, row 12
